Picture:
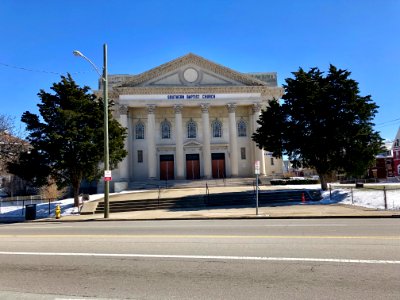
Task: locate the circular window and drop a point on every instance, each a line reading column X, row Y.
column 190, row 75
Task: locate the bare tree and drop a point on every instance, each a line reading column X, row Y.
column 11, row 144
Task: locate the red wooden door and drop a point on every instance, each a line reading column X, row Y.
column 192, row 166
column 167, row 167
column 218, row 165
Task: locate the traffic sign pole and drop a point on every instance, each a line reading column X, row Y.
column 257, row 172
column 257, row 196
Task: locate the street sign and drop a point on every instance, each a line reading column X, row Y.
column 257, row 167
column 107, row 175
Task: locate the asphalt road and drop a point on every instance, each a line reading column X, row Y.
column 209, row 259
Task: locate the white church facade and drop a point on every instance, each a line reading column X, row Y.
column 191, row 119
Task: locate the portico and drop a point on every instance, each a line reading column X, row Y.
column 191, row 118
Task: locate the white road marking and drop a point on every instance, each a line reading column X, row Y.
column 196, row 236
column 180, row 226
column 304, row 225
column 208, row 257
column 43, row 227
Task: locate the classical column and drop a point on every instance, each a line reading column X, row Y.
column 151, row 142
column 259, row 153
column 179, row 142
column 124, row 164
column 233, row 140
column 206, row 140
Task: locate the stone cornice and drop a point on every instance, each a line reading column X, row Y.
column 112, row 94
column 196, row 60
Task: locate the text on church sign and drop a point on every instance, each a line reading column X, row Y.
column 190, row 96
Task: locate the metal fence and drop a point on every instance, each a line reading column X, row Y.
column 21, row 198
column 378, row 196
column 19, row 202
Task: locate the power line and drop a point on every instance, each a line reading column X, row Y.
column 398, row 119
column 388, row 123
column 37, row 71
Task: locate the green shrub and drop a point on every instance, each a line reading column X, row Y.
column 293, row 181
column 278, row 182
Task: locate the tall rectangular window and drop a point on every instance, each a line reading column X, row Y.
column 191, row 129
column 272, row 161
column 140, row 156
column 241, row 128
column 216, row 127
column 243, row 153
column 139, row 128
column 165, row 129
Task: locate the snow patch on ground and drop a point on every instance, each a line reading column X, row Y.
column 350, row 196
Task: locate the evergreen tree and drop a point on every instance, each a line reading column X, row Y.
column 322, row 123
column 67, row 139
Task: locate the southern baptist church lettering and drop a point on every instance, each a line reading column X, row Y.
column 193, row 96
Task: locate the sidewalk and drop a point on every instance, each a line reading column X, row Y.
column 287, row 210
column 278, row 212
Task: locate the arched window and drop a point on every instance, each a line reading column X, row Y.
column 165, row 129
column 216, row 127
column 242, row 128
column 191, row 129
column 139, row 130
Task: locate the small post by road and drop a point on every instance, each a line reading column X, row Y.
column 352, row 198
column 257, row 172
column 384, row 197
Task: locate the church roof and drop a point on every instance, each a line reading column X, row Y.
column 194, row 59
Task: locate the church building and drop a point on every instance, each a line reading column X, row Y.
column 191, row 119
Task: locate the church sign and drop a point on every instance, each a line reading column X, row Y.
column 190, row 96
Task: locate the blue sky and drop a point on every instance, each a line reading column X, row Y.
column 38, row 38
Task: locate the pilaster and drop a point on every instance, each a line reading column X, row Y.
column 233, row 140
column 179, row 157
column 124, row 164
column 151, row 142
column 206, row 140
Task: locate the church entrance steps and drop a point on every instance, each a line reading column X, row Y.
column 199, row 200
column 152, row 184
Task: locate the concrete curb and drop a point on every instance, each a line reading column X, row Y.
column 219, row 218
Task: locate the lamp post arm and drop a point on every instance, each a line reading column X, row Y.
column 78, row 53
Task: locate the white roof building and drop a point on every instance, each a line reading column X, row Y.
column 191, row 118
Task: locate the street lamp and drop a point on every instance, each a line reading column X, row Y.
column 103, row 77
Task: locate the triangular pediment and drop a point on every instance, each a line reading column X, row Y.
column 190, row 75
column 192, row 71
column 192, row 144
